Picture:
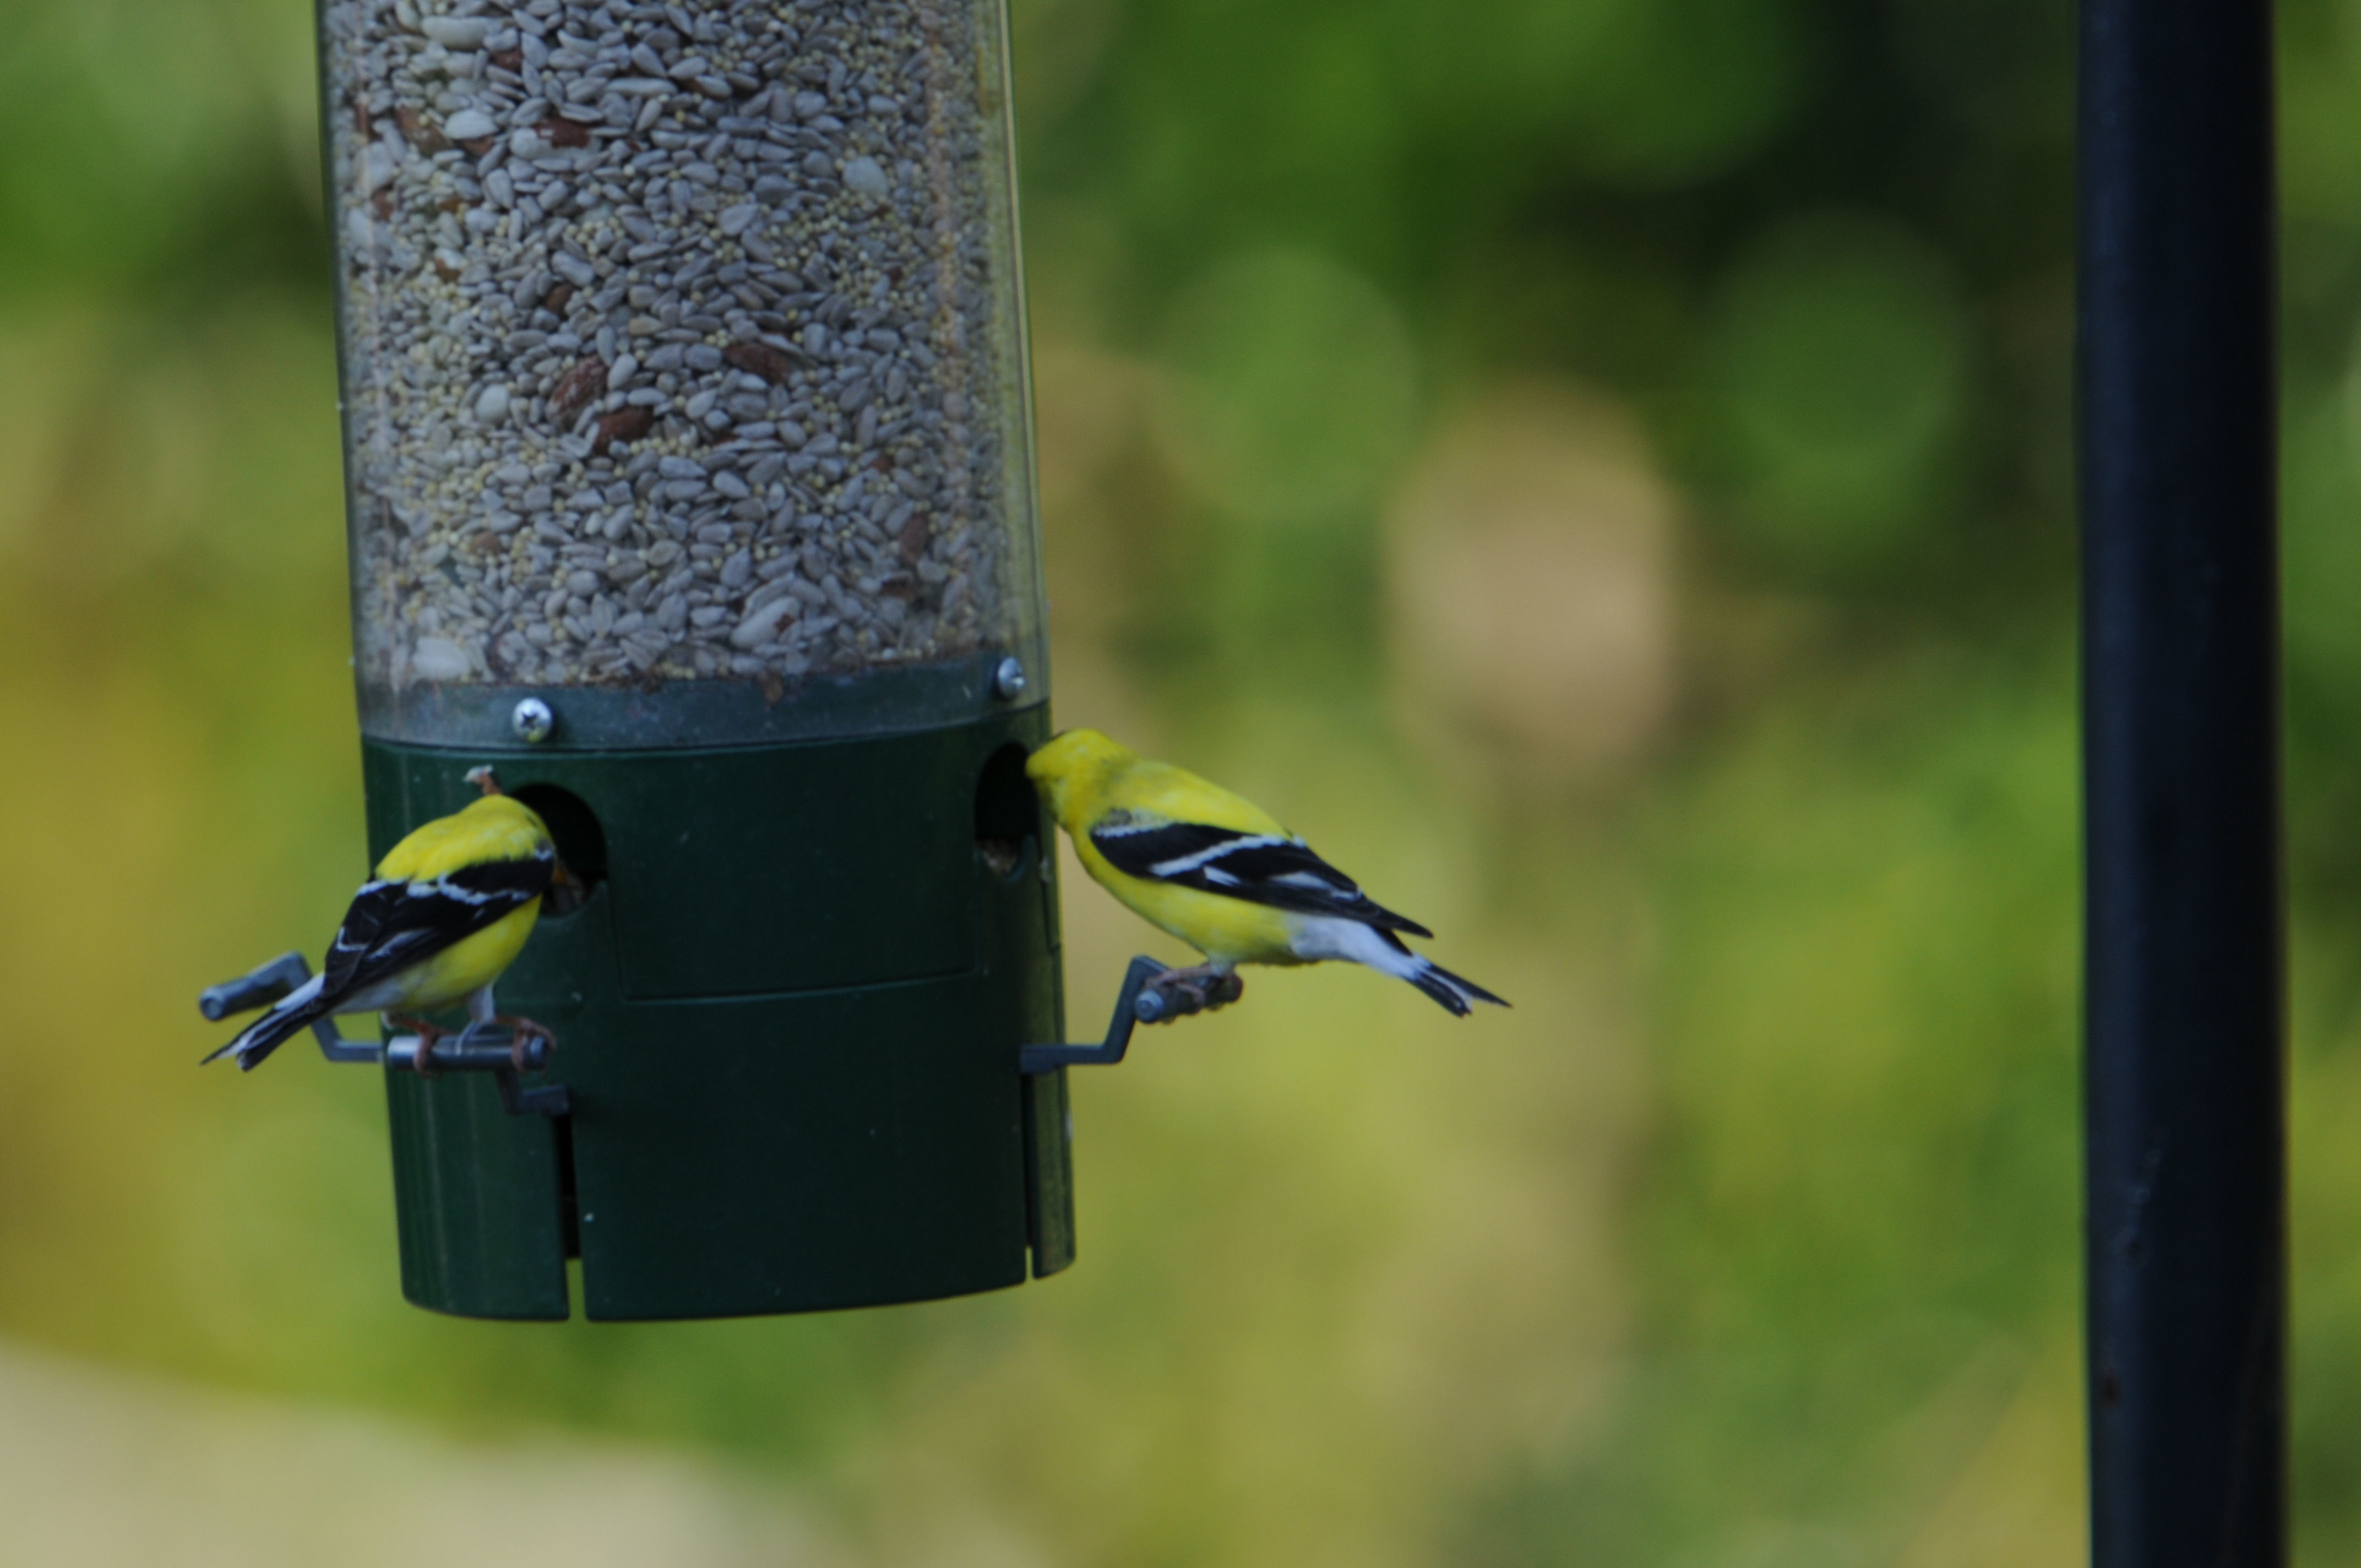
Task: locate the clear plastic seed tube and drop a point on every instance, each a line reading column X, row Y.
column 681, row 343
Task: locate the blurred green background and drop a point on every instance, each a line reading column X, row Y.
column 1600, row 468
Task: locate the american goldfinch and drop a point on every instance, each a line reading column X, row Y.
column 448, row 910
column 1218, row 872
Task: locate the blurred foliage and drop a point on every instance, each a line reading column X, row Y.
column 1372, row 334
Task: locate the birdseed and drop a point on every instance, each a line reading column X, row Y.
column 680, row 341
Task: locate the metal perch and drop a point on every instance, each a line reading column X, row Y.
column 479, row 1047
column 1151, row 994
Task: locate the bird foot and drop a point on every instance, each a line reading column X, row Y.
column 523, row 1032
column 1201, row 988
column 427, row 1035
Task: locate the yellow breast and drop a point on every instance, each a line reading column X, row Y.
column 467, row 965
column 1227, row 930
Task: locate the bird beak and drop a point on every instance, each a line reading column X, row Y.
column 565, row 893
column 481, row 777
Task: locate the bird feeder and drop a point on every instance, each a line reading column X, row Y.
column 689, row 484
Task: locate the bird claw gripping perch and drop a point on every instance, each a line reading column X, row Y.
column 1151, row 994
column 1177, row 993
column 479, row 1047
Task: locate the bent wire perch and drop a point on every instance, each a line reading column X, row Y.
column 479, row 1047
column 1152, row 993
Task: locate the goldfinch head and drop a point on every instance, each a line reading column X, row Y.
column 567, row 893
column 1072, row 763
column 507, row 809
column 496, row 810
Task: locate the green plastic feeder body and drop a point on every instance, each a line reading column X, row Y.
column 689, row 480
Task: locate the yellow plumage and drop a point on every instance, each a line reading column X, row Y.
column 497, row 828
column 1219, row 873
column 449, row 909
column 1085, row 777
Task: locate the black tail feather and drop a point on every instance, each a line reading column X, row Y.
column 266, row 1034
column 1452, row 991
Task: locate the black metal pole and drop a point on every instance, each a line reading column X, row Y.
column 2184, row 1073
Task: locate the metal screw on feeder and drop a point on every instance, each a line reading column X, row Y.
column 692, row 401
column 532, row 720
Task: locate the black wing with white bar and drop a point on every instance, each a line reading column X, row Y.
column 393, row 924
column 1261, row 868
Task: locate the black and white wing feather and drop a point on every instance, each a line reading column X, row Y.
column 1261, row 868
column 392, row 926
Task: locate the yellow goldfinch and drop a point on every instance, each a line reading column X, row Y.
column 448, row 910
column 1218, row 872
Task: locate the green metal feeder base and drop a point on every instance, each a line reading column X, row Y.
column 788, row 1017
